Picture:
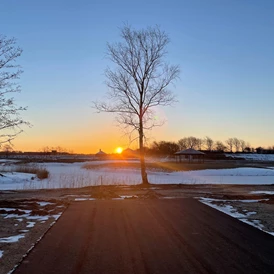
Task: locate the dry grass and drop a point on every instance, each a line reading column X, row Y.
column 40, row 172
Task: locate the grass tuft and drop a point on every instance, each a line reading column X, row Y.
column 40, row 172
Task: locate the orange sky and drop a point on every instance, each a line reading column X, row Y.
column 105, row 138
column 108, row 137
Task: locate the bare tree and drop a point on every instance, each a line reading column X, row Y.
column 139, row 82
column 45, row 149
column 199, row 143
column 230, row 143
column 236, row 143
column 182, row 143
column 219, row 146
column 164, row 148
column 7, row 149
column 10, row 120
column 192, row 142
column 243, row 145
column 209, row 143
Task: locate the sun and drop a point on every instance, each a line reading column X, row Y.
column 119, row 150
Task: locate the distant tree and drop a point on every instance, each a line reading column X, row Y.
column 183, row 143
column 209, row 143
column 199, row 143
column 192, row 142
column 242, row 145
column 10, row 120
column 219, row 146
column 259, row 149
column 237, row 144
column 139, row 83
column 60, row 149
column 7, row 149
column 46, row 149
column 230, row 143
column 164, row 148
column 57, row 149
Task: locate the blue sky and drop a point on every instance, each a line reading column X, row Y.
column 224, row 49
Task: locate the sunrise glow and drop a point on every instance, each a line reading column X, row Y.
column 119, row 150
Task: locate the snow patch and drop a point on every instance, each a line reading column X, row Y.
column 13, row 209
column 31, row 224
column 44, row 203
column 128, row 196
column 242, row 201
column 12, row 239
column 84, row 199
column 262, row 192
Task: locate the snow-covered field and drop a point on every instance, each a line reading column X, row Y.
column 253, row 156
column 63, row 175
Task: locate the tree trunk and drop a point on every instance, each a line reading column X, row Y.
column 142, row 155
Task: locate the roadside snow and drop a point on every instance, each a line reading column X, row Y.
column 56, row 216
column 12, row 239
column 262, row 192
column 30, row 224
column 227, row 209
column 84, row 199
column 44, row 203
column 230, row 210
column 7, row 209
column 243, row 201
column 128, row 196
column 122, row 197
column 1, row 253
column 63, row 175
column 13, row 209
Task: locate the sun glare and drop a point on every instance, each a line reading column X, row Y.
column 119, row 150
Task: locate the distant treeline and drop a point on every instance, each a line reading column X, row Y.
column 231, row 145
column 165, row 148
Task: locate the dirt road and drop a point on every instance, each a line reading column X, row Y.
column 149, row 236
